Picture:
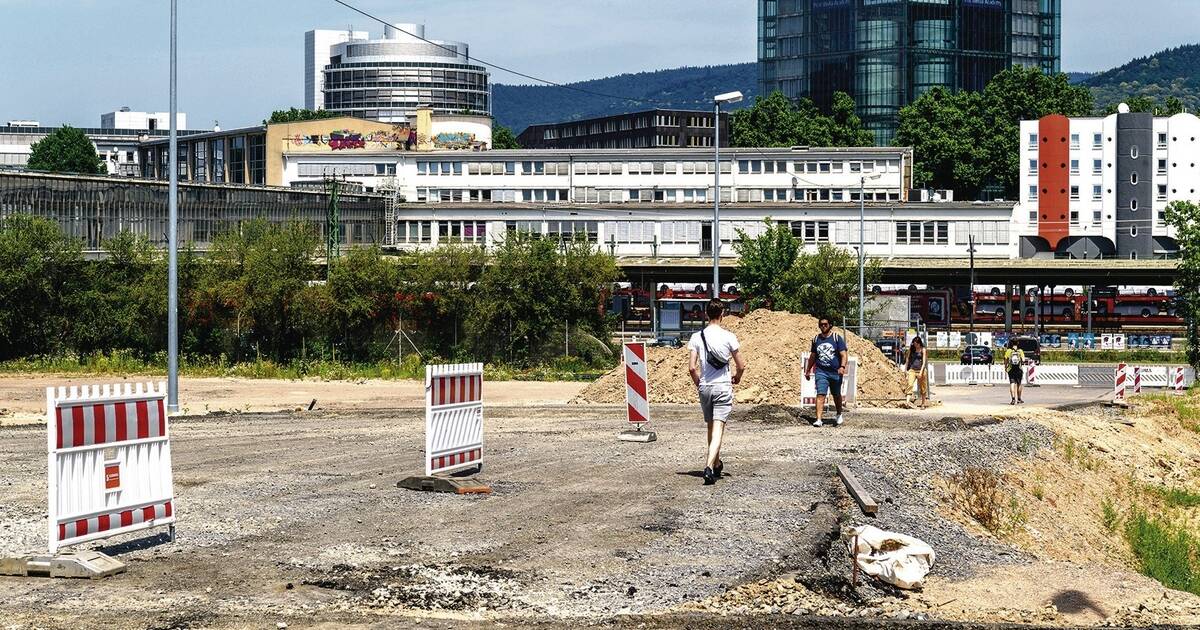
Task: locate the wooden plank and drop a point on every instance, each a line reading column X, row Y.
column 864, row 500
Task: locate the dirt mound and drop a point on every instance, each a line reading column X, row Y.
column 772, row 343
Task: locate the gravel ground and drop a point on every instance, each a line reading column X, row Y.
column 295, row 518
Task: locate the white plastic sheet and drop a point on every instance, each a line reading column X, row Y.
column 897, row 559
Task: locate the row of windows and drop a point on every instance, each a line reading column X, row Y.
column 745, row 167
column 1098, row 141
column 588, row 194
column 845, row 232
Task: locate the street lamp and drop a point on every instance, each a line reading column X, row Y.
column 728, row 98
column 172, row 245
column 862, row 254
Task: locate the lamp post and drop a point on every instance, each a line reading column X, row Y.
column 862, row 253
column 172, row 244
column 727, row 98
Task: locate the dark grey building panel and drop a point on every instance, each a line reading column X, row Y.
column 1135, row 186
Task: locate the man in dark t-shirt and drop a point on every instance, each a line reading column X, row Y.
column 828, row 358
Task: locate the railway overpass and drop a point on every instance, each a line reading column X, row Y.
column 937, row 271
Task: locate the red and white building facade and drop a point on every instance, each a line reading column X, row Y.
column 1099, row 187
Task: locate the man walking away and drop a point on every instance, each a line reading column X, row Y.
column 828, row 358
column 1014, row 360
column 916, row 366
column 712, row 350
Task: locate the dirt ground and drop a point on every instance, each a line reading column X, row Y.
column 294, row 517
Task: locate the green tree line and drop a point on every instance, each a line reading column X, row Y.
column 257, row 294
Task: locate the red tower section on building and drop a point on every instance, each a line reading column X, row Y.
column 1054, row 154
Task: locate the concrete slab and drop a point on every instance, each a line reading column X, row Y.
column 637, row 435
column 468, row 485
column 72, row 564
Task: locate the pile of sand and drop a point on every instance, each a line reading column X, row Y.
column 772, row 344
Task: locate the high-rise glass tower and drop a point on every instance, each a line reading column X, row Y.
column 885, row 53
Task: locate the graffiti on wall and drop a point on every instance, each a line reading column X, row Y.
column 454, row 140
column 398, row 138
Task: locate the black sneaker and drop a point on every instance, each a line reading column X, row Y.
column 709, row 477
column 719, row 471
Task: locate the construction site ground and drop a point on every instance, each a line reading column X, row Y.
column 289, row 516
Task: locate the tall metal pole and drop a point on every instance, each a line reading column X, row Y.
column 862, row 183
column 971, row 288
column 716, row 228
column 172, row 243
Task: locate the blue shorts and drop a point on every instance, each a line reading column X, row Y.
column 825, row 380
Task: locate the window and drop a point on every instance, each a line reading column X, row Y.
column 1033, row 143
column 1074, row 167
column 922, row 232
column 1074, row 217
column 1097, row 215
column 1074, row 141
column 1162, row 192
column 1033, row 167
column 462, row 231
column 1133, row 152
column 680, row 232
column 573, row 230
column 1133, row 178
column 811, row 232
column 1097, row 167
column 1074, row 193
column 1162, row 167
column 629, row 231
column 1097, row 140
column 1133, row 204
column 1097, row 192
column 856, row 167
column 413, row 231
column 531, row 228
column 1033, row 193
column 1162, row 141
column 983, row 232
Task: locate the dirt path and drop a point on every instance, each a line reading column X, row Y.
column 23, row 397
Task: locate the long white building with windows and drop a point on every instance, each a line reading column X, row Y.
column 658, row 202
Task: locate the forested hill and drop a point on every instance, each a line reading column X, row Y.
column 518, row 106
column 1172, row 72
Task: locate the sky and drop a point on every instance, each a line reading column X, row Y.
column 68, row 61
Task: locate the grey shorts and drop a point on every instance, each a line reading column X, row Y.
column 716, row 401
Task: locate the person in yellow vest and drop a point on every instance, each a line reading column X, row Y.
column 1014, row 362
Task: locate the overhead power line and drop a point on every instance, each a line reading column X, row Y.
column 498, row 66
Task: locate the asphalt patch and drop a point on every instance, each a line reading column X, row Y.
column 424, row 587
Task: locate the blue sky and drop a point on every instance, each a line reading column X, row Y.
column 67, row 61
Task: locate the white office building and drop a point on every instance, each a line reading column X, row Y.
column 125, row 119
column 659, row 202
column 387, row 79
column 318, row 45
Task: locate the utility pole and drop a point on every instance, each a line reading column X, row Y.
column 333, row 225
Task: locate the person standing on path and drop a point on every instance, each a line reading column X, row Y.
column 828, row 358
column 712, row 350
column 916, row 366
column 1014, row 361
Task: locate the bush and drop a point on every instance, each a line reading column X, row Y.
column 1166, row 551
column 977, row 492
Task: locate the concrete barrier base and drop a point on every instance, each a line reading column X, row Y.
column 637, row 435
column 71, row 564
column 468, row 485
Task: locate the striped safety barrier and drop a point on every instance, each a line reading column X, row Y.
column 1137, row 379
column 453, row 417
column 975, row 375
column 637, row 389
column 1031, row 374
column 1119, row 383
column 1177, row 379
column 109, row 459
column 808, row 386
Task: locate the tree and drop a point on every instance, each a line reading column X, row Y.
column 1184, row 216
column 362, row 292
column 532, row 290
column 66, row 150
column 299, row 115
column 39, row 270
column 1148, row 105
column 436, row 293
column 969, row 141
column 503, row 138
column 775, row 272
column 847, row 128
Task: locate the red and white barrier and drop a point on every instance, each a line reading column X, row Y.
column 637, row 388
column 453, row 417
column 1137, row 379
column 1177, row 379
column 1119, row 383
column 109, row 462
column 1031, row 374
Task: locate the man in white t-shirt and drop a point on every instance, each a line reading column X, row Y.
column 712, row 350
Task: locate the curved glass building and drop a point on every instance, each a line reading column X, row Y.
column 885, row 53
column 388, row 79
